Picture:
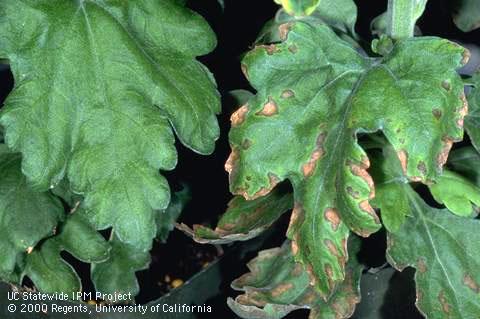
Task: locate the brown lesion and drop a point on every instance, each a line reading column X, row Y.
column 331, row 215
column 444, row 302
column 470, row 283
column 273, row 181
column 403, row 158
column 361, row 171
column 463, row 111
column 270, row 49
column 443, row 156
column 281, row 289
column 286, row 94
column 421, row 266
column 238, row 117
column 309, row 167
column 366, row 207
column 270, row 108
column 465, row 56
column 284, row 29
column 296, row 219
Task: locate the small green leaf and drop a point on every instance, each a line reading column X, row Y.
column 99, row 91
column 466, row 161
column 466, row 14
column 315, row 93
column 276, row 285
column 167, row 218
column 26, row 216
column 46, row 268
column 456, row 193
column 243, row 219
column 117, row 274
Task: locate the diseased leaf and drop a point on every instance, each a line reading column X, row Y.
column 472, row 121
column 47, row 269
column 466, row 14
column 117, row 274
column 243, row 219
column 277, row 285
column 457, row 193
column 98, row 85
column 442, row 247
column 314, row 94
column 26, row 217
column 167, row 218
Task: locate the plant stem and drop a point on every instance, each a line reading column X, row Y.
column 401, row 18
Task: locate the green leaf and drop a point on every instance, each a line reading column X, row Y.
column 466, row 161
column 98, row 89
column 472, row 121
column 243, row 219
column 276, row 286
column 117, row 274
column 314, row 94
column 299, row 7
column 466, row 14
column 457, row 193
column 47, row 269
column 442, row 248
column 167, row 218
column 26, row 216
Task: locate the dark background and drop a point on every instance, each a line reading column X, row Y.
column 237, row 27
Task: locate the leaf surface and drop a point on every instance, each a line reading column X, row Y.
column 472, row 121
column 26, row 216
column 117, row 274
column 49, row 271
column 442, row 247
column 243, row 219
column 314, row 94
column 100, row 86
column 277, row 285
column 466, row 14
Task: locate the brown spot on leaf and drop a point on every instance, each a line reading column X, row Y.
column 296, row 219
column 353, row 193
column 470, row 283
column 295, row 245
column 246, row 144
column 238, row 117
column 443, row 156
column 331, row 215
column 270, row 108
column 422, row 168
column 421, row 266
column 446, row 85
column 245, row 70
column 281, row 289
column 366, row 207
column 309, row 167
column 463, row 111
column 273, row 181
column 311, row 274
column 437, row 113
column 284, row 29
column 271, row 49
column 293, row 48
column 329, row 273
column 465, row 56
column 334, row 251
column 231, row 162
column 29, row 250
column 361, row 171
column 287, row 94
column 444, row 302
column 403, row 157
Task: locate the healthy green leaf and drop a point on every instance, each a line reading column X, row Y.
column 472, row 121
column 466, row 161
column 46, row 268
column 26, row 216
column 457, row 193
column 167, row 218
column 243, row 219
column 276, row 286
column 466, row 14
column 117, row 274
column 315, row 93
column 98, row 85
column 441, row 247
